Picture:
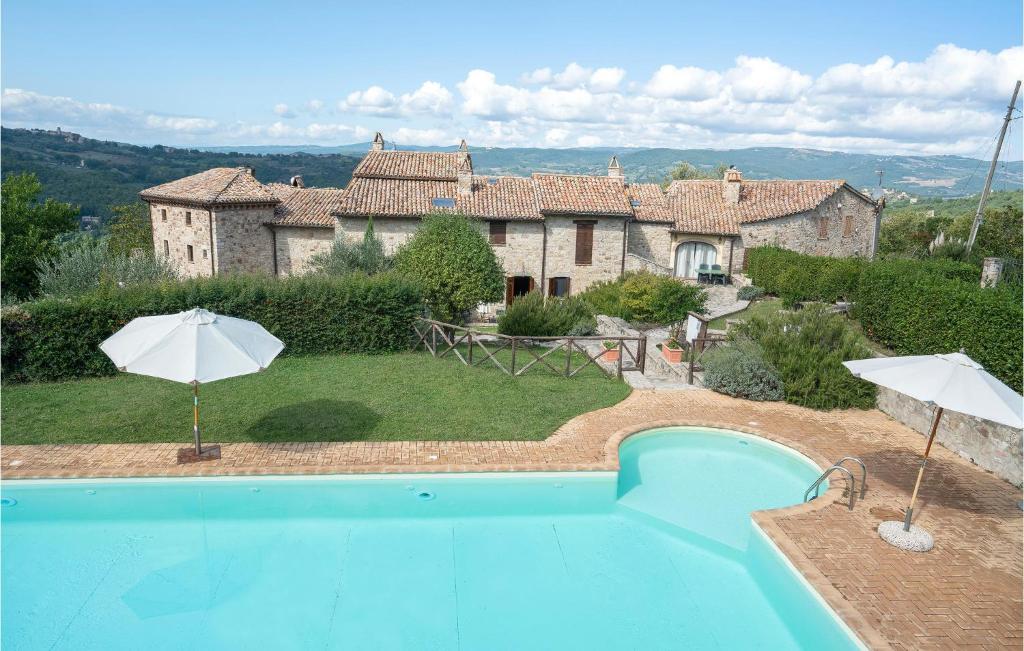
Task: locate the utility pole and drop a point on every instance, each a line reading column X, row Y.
column 980, row 215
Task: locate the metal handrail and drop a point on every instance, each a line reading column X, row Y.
column 863, row 473
column 851, row 483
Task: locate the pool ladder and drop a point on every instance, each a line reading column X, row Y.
column 851, row 481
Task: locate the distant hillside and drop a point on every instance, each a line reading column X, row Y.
column 98, row 174
column 926, row 176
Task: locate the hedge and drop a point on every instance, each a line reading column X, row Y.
column 58, row 339
column 796, row 277
column 915, row 311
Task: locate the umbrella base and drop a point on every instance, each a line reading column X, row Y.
column 188, row 455
column 915, row 540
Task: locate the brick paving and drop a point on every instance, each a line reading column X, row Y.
column 966, row 593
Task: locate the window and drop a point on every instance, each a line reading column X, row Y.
column 823, row 228
column 167, row 247
column 441, row 202
column 848, row 226
column 585, row 242
column 558, row 286
column 163, row 215
column 188, row 217
column 204, row 254
column 497, row 235
column 691, row 255
column 191, row 253
column 516, row 286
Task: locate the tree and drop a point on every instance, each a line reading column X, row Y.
column 346, row 257
column 27, row 231
column 688, row 172
column 454, row 264
column 84, row 263
column 130, row 229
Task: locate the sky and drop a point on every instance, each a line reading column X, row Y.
column 905, row 77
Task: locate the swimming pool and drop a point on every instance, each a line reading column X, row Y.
column 661, row 555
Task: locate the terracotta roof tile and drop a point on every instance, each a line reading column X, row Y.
column 699, row 207
column 217, row 186
column 501, row 197
column 393, row 197
column 563, row 194
column 436, row 166
column 308, row 207
column 649, row 202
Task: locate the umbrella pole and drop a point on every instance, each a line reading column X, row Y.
column 195, row 417
column 920, row 473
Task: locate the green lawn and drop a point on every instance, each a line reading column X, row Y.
column 401, row 397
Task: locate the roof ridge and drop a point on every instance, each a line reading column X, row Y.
column 238, row 170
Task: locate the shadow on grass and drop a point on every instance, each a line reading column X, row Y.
column 315, row 420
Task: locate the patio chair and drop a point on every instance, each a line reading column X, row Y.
column 705, row 271
column 716, row 274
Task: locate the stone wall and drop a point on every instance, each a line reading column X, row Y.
column 243, row 242
column 994, row 447
column 178, row 236
column 652, row 242
column 607, row 250
column 391, row 231
column 297, row 245
column 800, row 232
column 523, row 251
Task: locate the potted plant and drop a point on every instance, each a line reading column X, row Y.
column 611, row 351
column 671, row 349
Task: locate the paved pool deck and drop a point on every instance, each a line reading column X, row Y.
column 964, row 594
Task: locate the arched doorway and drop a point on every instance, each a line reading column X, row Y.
column 690, row 255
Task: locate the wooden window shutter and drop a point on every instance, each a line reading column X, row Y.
column 823, row 228
column 497, row 234
column 510, row 284
column 848, row 226
column 531, row 283
column 584, row 242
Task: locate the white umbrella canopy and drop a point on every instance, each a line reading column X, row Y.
column 951, row 381
column 194, row 347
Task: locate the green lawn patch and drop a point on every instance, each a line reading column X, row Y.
column 757, row 308
column 397, row 397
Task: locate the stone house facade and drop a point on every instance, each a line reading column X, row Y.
column 556, row 233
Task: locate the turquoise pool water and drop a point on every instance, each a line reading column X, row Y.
column 662, row 555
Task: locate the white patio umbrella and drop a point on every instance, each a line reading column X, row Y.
column 953, row 381
column 194, row 347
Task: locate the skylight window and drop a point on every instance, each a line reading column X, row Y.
column 441, row 202
column 635, row 203
column 492, row 181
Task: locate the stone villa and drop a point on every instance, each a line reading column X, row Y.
column 555, row 232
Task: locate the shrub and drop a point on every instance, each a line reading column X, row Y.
column 750, row 293
column 796, row 284
column 58, row 339
column 531, row 316
column 740, row 370
column 605, row 297
column 454, row 265
column 654, row 299
column 344, row 257
column 807, row 348
column 917, row 310
column 84, row 264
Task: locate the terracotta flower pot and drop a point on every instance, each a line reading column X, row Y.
column 610, row 354
column 672, row 355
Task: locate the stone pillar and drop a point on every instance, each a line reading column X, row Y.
column 991, row 272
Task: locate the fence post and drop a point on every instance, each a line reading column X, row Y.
column 642, row 353
column 469, row 336
column 693, row 355
column 514, row 340
column 568, row 356
column 433, row 339
column 618, row 366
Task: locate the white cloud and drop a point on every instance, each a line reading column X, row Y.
column 951, row 101
column 282, row 110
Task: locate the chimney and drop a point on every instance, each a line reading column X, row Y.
column 250, row 171
column 378, row 142
column 465, row 173
column 463, row 147
column 614, row 169
column 297, row 182
column 731, row 185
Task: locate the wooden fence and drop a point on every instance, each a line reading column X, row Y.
column 443, row 339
